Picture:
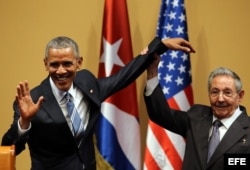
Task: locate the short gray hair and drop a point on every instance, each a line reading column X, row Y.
column 227, row 72
column 62, row 42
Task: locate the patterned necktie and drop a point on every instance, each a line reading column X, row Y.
column 74, row 116
column 214, row 139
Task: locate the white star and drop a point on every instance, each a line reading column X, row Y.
column 179, row 81
column 172, row 15
column 182, row 69
column 165, row 90
column 170, row 66
column 175, row 3
column 184, row 57
column 161, row 64
column 168, row 78
column 182, row 17
column 159, row 75
column 174, row 54
column 110, row 55
column 179, row 30
column 169, row 27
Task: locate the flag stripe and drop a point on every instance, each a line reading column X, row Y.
column 157, row 152
column 182, row 100
column 189, row 92
column 118, row 118
column 175, row 79
column 167, row 146
column 118, row 135
column 149, row 161
column 109, row 147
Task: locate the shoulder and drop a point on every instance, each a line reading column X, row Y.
column 199, row 109
column 86, row 81
column 85, row 74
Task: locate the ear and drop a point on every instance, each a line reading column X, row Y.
column 79, row 62
column 45, row 64
column 241, row 95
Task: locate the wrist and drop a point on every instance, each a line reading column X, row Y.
column 24, row 124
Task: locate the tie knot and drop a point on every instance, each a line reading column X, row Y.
column 67, row 96
column 217, row 123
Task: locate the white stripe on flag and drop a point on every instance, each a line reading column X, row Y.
column 177, row 139
column 156, row 151
column 182, row 100
column 123, row 124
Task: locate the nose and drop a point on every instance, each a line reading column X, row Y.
column 221, row 96
column 61, row 70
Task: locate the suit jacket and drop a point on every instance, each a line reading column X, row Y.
column 194, row 126
column 51, row 143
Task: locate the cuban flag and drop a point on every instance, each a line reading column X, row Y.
column 118, row 134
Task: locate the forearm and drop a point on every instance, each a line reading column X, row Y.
column 131, row 71
column 14, row 135
column 157, row 107
column 160, row 112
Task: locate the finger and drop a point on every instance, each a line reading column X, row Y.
column 26, row 87
column 18, row 92
column 188, row 46
column 186, row 49
column 22, row 90
column 17, row 99
column 144, row 51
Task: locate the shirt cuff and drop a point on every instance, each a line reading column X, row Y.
column 151, row 84
column 22, row 131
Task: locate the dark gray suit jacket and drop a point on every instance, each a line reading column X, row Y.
column 50, row 141
column 194, row 126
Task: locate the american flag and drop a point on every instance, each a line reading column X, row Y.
column 118, row 133
column 165, row 150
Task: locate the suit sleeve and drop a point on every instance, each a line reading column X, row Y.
column 160, row 113
column 131, row 71
column 12, row 135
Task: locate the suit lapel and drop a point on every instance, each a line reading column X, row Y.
column 52, row 108
column 234, row 134
column 86, row 82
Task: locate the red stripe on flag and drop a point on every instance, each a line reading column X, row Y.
column 167, row 145
column 189, row 93
column 173, row 104
column 150, row 161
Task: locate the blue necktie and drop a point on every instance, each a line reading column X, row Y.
column 74, row 116
column 214, row 139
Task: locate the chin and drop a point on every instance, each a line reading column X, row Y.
column 220, row 114
column 63, row 87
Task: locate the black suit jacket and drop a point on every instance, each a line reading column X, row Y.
column 51, row 143
column 194, row 126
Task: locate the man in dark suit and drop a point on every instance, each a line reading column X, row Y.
column 195, row 125
column 41, row 117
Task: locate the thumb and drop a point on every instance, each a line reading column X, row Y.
column 40, row 100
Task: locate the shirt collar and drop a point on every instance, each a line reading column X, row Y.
column 59, row 94
column 227, row 122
